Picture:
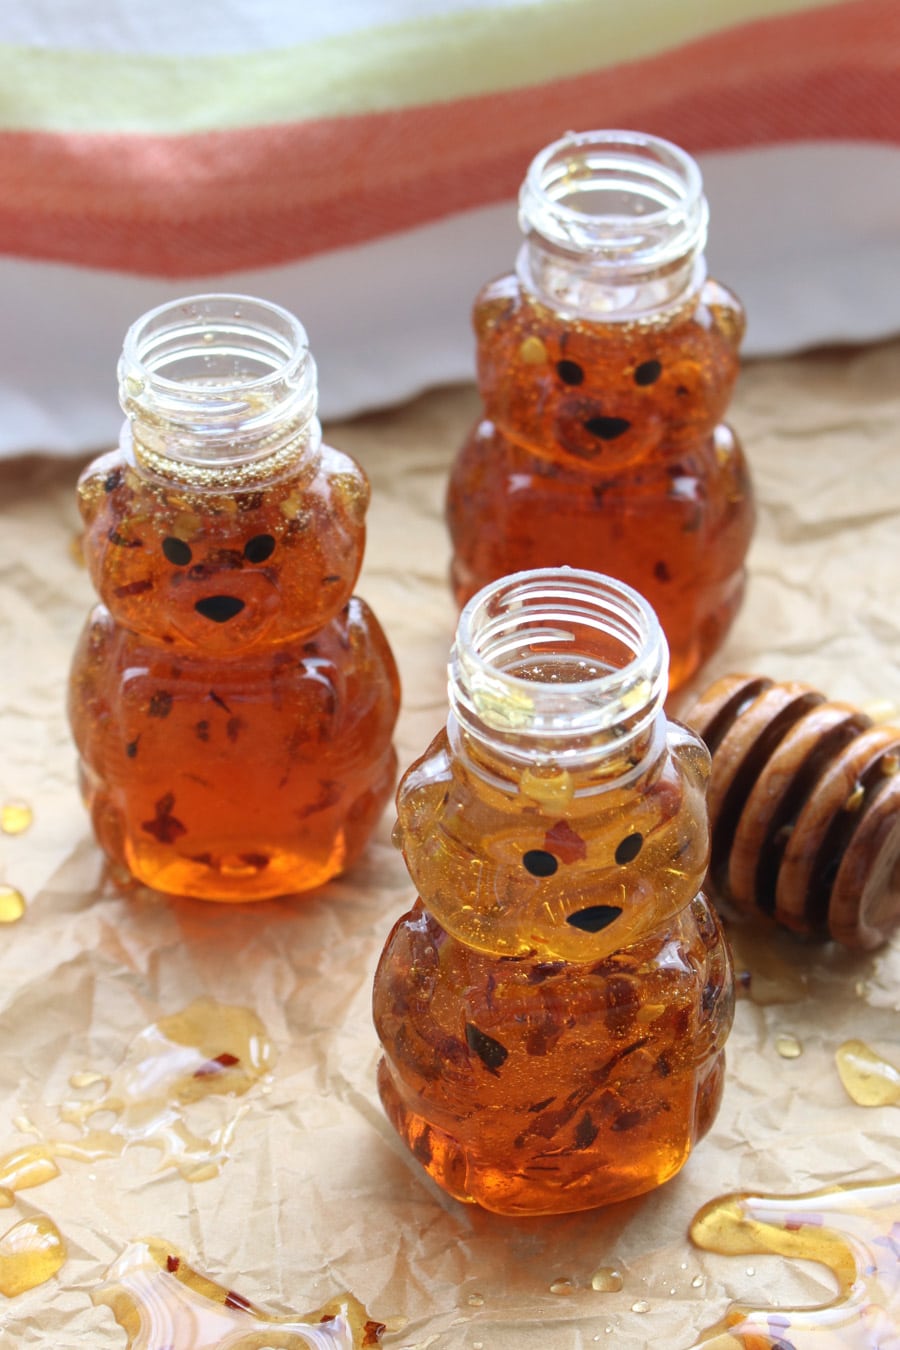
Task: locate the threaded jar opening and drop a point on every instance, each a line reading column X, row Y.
column 558, row 666
column 213, row 382
column 609, row 212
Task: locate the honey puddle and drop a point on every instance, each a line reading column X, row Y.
column 161, row 1302
column 31, row 1252
column 867, row 1078
column 15, row 817
column 12, row 904
column 206, row 1051
column 852, row 1230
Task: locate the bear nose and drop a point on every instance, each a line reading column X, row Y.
column 607, row 428
column 595, row 917
column 219, row 608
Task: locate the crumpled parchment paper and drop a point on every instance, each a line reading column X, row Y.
column 317, row 1195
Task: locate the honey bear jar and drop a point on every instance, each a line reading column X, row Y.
column 606, row 361
column 232, row 701
column 553, row 1009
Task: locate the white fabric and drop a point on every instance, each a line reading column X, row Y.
column 808, row 236
column 205, row 27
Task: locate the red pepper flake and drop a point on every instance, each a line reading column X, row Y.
column 233, row 1300
column 373, row 1332
column 122, row 540
column 213, row 1066
column 563, row 841
column 133, row 588
column 172, row 1264
column 165, row 827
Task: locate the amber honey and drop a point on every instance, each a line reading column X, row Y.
column 850, row 1228
column 605, row 365
column 232, row 701
column 554, row 1008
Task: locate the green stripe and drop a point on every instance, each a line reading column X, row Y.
column 450, row 56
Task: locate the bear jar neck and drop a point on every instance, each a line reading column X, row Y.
column 615, row 226
column 559, row 674
column 219, row 392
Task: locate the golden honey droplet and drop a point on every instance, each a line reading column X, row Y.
column 856, row 798
column 640, row 1306
column 697, row 1281
column 15, row 817
column 532, row 351
column 607, row 1280
column 29, row 1166
column 788, row 1046
column 12, row 904
column 562, row 1286
column 475, row 1300
column 867, row 1078
column 890, row 765
column 31, row 1252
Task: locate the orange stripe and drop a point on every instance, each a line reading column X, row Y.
column 222, row 201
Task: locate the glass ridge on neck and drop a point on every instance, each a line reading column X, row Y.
column 219, row 390
column 615, row 226
column 559, row 668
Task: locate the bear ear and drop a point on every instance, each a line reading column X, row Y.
column 351, row 492
column 97, row 484
column 727, row 313
column 494, row 305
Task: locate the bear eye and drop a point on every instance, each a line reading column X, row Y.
column 648, row 372
column 539, row 862
column 177, row 551
column 570, row 372
column 260, row 547
column 629, row 848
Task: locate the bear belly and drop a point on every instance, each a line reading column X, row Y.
column 677, row 536
column 235, row 780
column 534, row 1087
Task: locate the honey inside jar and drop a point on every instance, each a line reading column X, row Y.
column 232, row 700
column 605, row 364
column 554, row 1007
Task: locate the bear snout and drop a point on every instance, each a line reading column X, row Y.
column 595, row 918
column 219, row 608
column 607, row 428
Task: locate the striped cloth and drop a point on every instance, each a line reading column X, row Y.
column 358, row 162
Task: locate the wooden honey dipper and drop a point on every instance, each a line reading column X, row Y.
column 804, row 807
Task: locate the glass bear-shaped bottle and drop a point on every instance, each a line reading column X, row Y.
column 232, row 701
column 553, row 1009
column 605, row 364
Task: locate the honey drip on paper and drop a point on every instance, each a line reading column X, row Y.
column 867, row 1078
column 15, row 817
column 607, row 1280
column 161, row 1301
column 31, row 1252
column 12, row 904
column 852, row 1230
column 208, row 1050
